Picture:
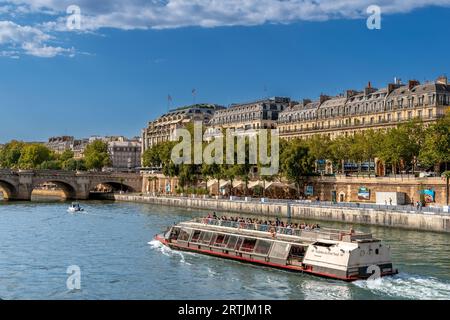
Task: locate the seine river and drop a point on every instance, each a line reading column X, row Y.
column 112, row 245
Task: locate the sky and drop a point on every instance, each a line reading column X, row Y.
column 112, row 73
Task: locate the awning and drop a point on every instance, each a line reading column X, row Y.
column 238, row 184
column 211, row 183
column 202, row 184
column 278, row 185
column 254, row 184
column 224, row 184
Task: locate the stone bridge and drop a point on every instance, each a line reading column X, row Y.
column 18, row 185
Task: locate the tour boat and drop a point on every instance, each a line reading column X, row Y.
column 338, row 254
column 75, row 207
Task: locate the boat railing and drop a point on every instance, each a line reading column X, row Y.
column 313, row 234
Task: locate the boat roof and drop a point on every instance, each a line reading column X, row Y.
column 322, row 235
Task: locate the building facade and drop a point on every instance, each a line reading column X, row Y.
column 164, row 128
column 377, row 109
column 125, row 154
column 261, row 114
column 60, row 144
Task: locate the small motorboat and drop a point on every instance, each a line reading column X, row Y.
column 75, row 207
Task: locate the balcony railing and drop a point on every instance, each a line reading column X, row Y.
column 313, row 234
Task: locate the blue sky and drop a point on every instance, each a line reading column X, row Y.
column 114, row 76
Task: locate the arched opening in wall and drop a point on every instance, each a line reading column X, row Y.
column 6, row 191
column 104, row 190
column 52, row 191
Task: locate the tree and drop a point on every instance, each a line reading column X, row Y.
column 213, row 171
column 10, row 154
column 296, row 163
column 339, row 151
column 33, row 155
column 66, row 155
column 50, row 165
column 372, row 143
column 74, row 165
column 436, row 146
column 319, row 147
column 96, row 155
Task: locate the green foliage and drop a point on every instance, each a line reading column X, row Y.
column 296, row 162
column 96, row 155
column 66, row 155
column 436, row 145
column 159, row 155
column 10, row 154
column 74, row 165
column 33, row 155
column 51, row 165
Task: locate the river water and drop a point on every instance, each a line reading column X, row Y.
column 112, row 245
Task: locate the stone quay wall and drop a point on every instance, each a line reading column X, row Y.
column 385, row 218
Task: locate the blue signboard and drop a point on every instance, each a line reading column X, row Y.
column 428, row 195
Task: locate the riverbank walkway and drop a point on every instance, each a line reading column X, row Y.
column 409, row 208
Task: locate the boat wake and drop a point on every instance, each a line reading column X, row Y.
column 408, row 286
column 165, row 250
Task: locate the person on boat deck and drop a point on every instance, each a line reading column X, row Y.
column 352, row 231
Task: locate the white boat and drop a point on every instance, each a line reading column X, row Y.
column 337, row 254
column 75, row 207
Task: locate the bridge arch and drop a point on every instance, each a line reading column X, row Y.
column 7, row 189
column 69, row 191
column 114, row 186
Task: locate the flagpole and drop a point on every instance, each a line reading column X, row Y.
column 194, row 95
column 169, row 100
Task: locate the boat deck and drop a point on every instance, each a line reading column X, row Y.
column 277, row 231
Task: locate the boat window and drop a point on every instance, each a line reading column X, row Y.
column 238, row 243
column 196, row 235
column 280, row 250
column 232, row 242
column 184, row 235
column 219, row 240
column 174, row 234
column 205, row 237
column 297, row 252
column 248, row 245
column 263, row 247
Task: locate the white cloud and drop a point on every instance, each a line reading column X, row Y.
column 166, row 14
column 28, row 40
column 144, row 14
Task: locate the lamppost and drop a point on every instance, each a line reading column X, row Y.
column 447, row 186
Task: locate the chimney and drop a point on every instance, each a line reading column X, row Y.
column 324, row 98
column 368, row 90
column 442, row 80
column 350, row 93
column 412, row 84
column 392, row 86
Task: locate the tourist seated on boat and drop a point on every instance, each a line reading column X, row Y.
column 258, row 224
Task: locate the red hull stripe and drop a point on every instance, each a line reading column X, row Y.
column 275, row 265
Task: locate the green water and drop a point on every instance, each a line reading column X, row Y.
column 113, row 247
